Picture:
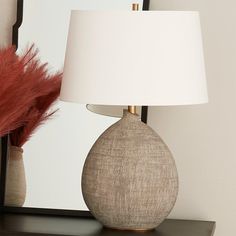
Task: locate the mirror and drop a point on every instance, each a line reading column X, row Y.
column 55, row 154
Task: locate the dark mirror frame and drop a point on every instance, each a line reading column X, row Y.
column 5, row 141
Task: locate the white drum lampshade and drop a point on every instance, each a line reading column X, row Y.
column 137, row 58
column 122, row 58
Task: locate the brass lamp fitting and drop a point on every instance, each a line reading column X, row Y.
column 132, row 109
column 135, row 6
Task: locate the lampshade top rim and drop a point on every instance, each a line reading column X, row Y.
column 135, row 12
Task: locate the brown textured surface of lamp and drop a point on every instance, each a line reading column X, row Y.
column 129, row 178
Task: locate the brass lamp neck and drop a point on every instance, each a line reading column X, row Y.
column 132, row 109
column 135, row 6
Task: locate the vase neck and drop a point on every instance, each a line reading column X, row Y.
column 15, row 153
column 128, row 115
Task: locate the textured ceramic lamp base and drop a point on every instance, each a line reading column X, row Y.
column 129, row 178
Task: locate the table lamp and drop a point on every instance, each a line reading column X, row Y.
column 132, row 58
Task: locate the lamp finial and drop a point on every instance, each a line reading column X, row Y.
column 135, row 6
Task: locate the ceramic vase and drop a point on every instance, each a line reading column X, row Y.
column 130, row 179
column 15, row 178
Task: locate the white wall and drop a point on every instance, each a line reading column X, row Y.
column 202, row 138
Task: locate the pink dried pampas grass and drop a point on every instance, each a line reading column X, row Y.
column 26, row 93
column 12, row 101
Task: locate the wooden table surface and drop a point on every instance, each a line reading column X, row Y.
column 22, row 224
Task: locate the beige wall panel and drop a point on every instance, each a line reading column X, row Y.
column 202, row 137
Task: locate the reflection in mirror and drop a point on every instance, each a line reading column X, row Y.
column 55, row 154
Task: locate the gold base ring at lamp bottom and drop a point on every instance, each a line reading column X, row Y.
column 134, row 230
